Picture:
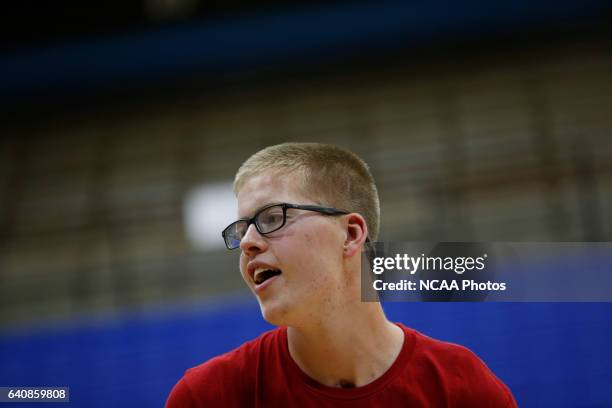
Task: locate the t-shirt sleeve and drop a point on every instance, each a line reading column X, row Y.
column 479, row 386
column 208, row 384
column 180, row 396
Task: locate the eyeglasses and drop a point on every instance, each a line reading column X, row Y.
column 269, row 219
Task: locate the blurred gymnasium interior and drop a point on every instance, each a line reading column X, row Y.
column 122, row 126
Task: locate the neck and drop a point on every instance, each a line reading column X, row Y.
column 350, row 350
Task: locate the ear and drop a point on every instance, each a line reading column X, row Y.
column 356, row 234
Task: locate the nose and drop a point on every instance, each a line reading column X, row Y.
column 253, row 242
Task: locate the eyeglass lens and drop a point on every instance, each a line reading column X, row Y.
column 268, row 220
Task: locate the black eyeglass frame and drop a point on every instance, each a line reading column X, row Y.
column 285, row 206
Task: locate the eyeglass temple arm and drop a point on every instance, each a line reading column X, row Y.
column 324, row 210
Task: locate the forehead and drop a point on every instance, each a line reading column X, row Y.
column 269, row 188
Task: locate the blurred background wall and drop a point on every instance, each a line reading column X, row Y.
column 480, row 122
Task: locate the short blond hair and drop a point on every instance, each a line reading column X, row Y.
column 335, row 176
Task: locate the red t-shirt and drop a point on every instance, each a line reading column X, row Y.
column 261, row 373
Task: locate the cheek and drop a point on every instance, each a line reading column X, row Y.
column 326, row 248
column 243, row 265
column 318, row 258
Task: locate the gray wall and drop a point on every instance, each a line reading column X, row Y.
column 515, row 147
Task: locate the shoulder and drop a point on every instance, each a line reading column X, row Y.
column 211, row 379
column 235, row 365
column 451, row 354
column 461, row 371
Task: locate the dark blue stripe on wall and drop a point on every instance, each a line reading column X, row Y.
column 274, row 40
column 551, row 355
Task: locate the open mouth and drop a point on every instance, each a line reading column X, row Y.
column 262, row 275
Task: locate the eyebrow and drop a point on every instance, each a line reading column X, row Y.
column 261, row 208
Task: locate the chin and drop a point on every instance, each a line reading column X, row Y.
column 275, row 314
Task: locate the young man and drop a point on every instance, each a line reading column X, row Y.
column 305, row 211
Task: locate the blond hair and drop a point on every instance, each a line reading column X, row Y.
column 335, row 176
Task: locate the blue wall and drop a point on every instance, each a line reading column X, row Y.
column 551, row 355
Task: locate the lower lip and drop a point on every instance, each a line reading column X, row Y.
column 268, row 282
